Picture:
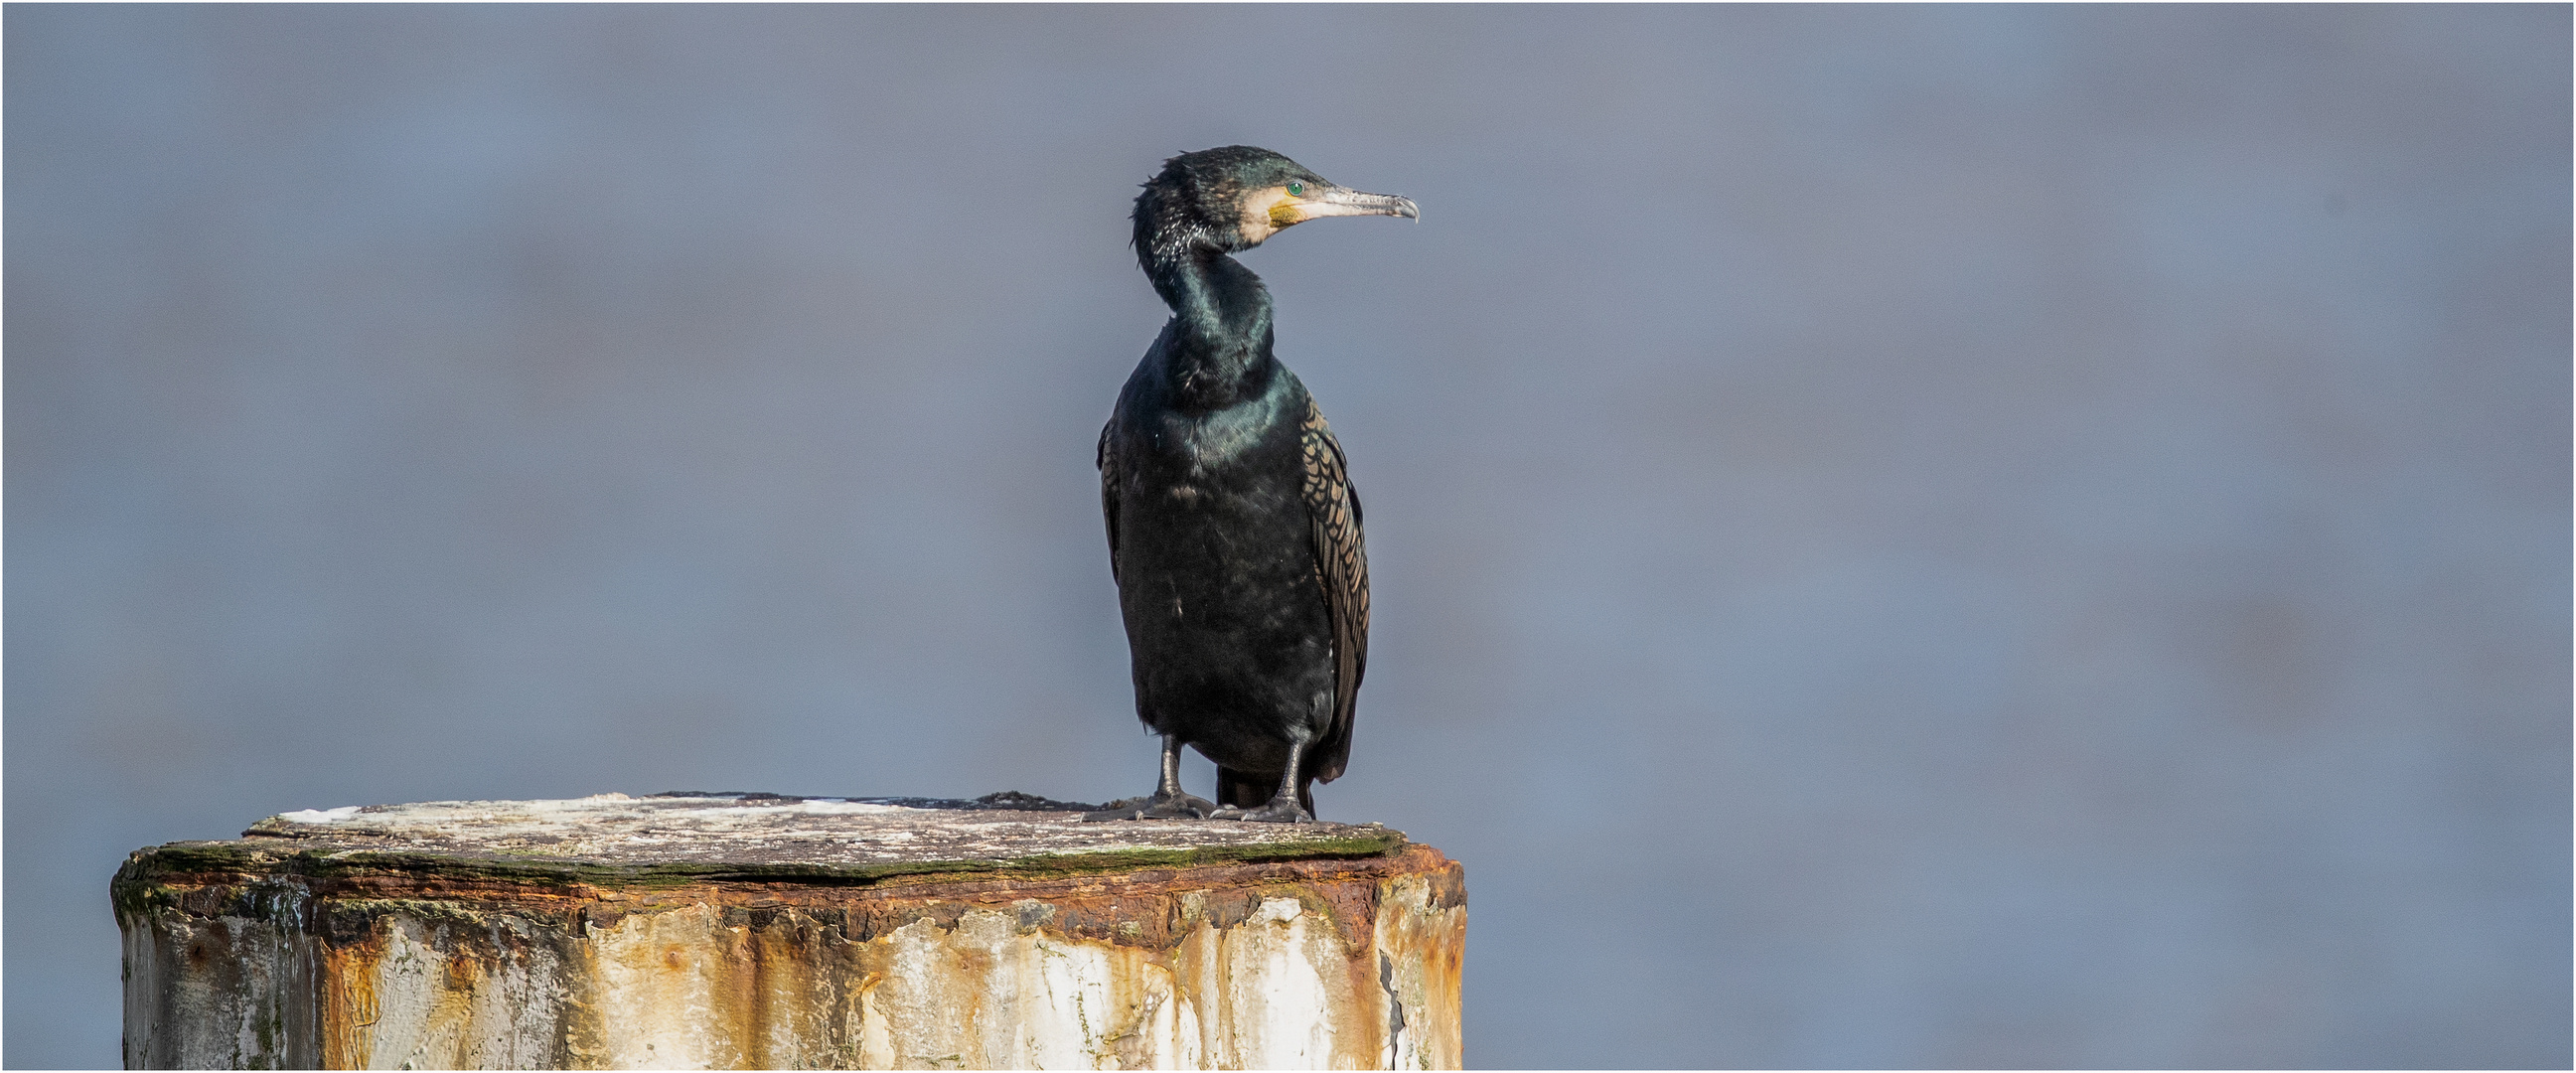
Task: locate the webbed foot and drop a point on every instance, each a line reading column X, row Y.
column 1172, row 806
column 1279, row 810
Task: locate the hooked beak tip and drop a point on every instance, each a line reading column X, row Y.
column 1341, row 201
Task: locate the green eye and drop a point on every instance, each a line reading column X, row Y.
column 1296, row 189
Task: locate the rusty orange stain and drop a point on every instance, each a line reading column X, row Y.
column 776, row 974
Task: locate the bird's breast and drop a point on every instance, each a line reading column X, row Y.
column 1213, row 439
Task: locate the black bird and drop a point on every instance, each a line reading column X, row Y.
column 1234, row 533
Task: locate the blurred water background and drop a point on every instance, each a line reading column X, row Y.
column 1912, row 536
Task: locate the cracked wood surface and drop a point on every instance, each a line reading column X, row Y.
column 760, row 833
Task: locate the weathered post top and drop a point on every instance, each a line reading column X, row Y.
column 756, row 930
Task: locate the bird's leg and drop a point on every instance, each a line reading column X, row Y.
column 1169, row 801
column 1283, row 806
column 1167, row 790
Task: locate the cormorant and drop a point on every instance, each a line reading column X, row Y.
column 1234, row 533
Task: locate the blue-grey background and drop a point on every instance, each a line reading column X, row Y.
column 1903, row 537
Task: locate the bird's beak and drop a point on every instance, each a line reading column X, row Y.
column 1343, row 201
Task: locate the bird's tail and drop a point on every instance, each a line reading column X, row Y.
column 1241, row 790
column 1251, row 790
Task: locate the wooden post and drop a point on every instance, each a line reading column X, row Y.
column 708, row 931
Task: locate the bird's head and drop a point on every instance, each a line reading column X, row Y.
column 1233, row 198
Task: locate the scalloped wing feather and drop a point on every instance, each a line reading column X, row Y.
column 1107, row 460
column 1341, row 568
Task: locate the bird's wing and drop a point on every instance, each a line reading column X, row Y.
column 1341, row 565
column 1107, row 460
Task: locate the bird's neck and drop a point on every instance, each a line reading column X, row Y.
column 1220, row 324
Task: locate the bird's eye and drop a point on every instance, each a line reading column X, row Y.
column 1296, row 189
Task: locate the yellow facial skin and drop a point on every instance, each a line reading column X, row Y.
column 1267, row 210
